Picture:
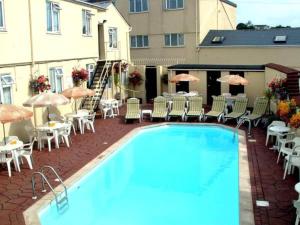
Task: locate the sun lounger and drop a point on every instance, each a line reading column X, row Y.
column 133, row 109
column 217, row 109
column 195, row 108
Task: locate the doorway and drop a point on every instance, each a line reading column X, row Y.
column 182, row 85
column 213, row 86
column 151, row 83
column 236, row 89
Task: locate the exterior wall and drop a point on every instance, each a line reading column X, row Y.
column 115, row 20
column 256, row 86
column 287, row 56
column 195, row 20
column 67, row 49
column 271, row 74
column 15, row 42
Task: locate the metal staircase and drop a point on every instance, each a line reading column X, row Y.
column 61, row 198
column 98, row 84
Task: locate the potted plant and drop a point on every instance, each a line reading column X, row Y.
column 79, row 75
column 40, row 84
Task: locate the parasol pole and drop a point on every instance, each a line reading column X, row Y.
column 75, row 105
column 4, row 139
column 48, row 113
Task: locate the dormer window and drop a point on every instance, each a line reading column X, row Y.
column 280, row 39
column 218, row 40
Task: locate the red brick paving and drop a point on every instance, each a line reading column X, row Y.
column 266, row 175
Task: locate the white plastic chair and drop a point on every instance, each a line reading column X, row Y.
column 292, row 160
column 241, row 95
column 64, row 133
column 272, row 133
column 5, row 159
column 88, row 121
column 107, row 110
column 26, row 152
column 115, row 107
column 45, row 136
column 289, row 147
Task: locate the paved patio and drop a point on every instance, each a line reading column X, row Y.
column 266, row 175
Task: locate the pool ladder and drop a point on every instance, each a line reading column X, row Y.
column 61, row 200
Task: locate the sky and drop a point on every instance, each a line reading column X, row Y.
column 270, row 12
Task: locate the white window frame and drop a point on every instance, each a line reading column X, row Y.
column 6, row 84
column 58, row 75
column 86, row 22
column 167, row 5
column 134, row 7
column 136, row 38
column 178, row 45
column 113, row 38
column 53, row 6
column 2, row 28
column 90, row 69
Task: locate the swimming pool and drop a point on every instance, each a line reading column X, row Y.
column 167, row 175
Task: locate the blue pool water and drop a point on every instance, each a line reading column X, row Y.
column 168, row 175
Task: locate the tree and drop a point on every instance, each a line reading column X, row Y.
column 245, row 26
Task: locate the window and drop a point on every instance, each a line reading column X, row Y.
column 53, row 16
column 217, row 40
column 174, row 40
column 174, row 4
column 6, row 83
column 138, row 6
column 113, row 38
column 280, row 39
column 90, row 68
column 139, row 41
column 56, row 75
column 2, row 25
column 86, row 22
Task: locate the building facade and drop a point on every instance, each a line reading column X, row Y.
column 249, row 53
column 51, row 38
column 167, row 32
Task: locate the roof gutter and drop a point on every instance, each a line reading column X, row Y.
column 80, row 2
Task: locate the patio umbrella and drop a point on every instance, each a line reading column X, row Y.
column 12, row 113
column 77, row 92
column 46, row 99
column 184, row 77
column 233, row 80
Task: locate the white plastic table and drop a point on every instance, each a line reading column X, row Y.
column 52, row 128
column 146, row 112
column 12, row 147
column 78, row 116
column 279, row 130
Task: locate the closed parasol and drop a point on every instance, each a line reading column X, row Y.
column 233, row 80
column 12, row 113
column 184, row 77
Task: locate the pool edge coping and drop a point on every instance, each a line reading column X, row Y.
column 246, row 214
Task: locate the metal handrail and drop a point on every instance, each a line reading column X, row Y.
column 44, row 179
column 57, row 176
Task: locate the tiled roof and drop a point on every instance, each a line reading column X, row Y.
column 252, row 37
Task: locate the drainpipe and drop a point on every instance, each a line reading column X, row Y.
column 31, row 51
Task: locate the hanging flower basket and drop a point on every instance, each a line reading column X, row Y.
column 40, row 84
column 79, row 75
